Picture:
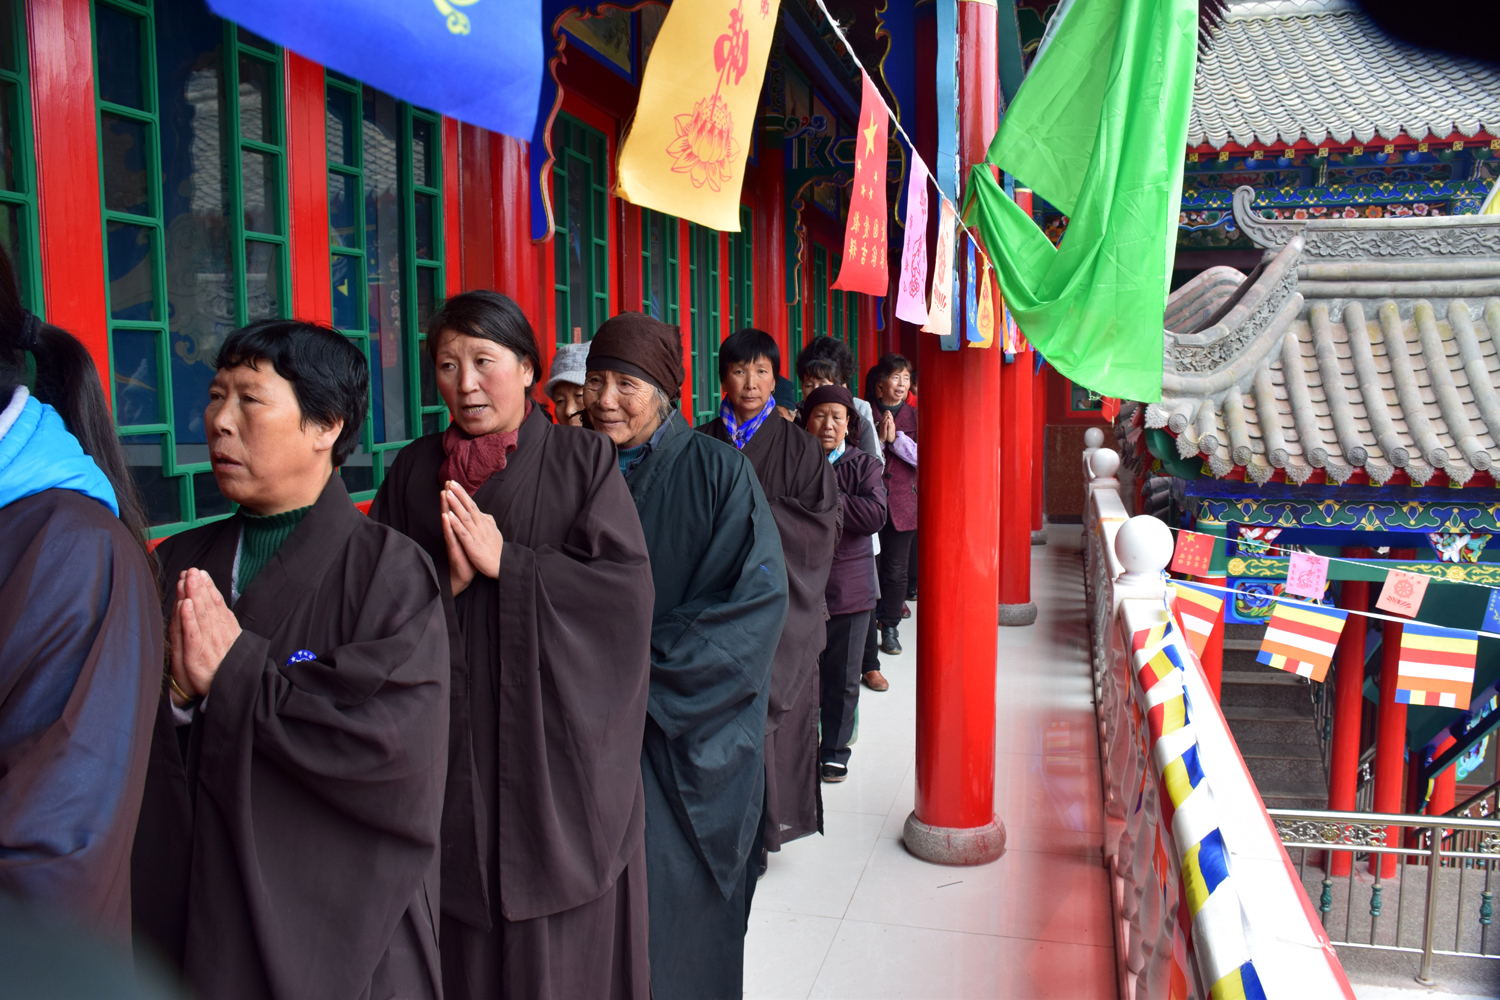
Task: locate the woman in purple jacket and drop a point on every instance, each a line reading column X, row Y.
column 852, row 587
column 896, row 428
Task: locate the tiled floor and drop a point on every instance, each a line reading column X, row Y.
column 852, row 914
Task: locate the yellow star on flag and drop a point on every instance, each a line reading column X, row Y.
column 870, row 135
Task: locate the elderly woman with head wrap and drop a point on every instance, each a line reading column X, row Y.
column 720, row 603
column 544, row 571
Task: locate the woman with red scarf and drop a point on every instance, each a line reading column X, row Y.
column 545, row 574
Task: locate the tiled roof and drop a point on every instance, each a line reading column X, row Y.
column 1364, row 344
column 1275, row 73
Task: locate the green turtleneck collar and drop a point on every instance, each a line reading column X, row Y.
column 262, row 537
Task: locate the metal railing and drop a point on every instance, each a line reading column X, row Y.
column 1433, row 879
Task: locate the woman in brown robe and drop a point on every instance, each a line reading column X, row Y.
column 803, row 493
column 544, row 567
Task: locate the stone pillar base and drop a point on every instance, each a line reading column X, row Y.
column 1018, row 614
column 1039, row 537
column 943, row 845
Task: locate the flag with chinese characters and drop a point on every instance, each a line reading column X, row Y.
column 864, row 266
column 1194, row 553
column 986, row 320
column 686, row 149
column 911, row 299
column 971, row 295
column 1307, row 575
column 1300, row 639
column 1403, row 592
column 940, row 306
column 1436, row 665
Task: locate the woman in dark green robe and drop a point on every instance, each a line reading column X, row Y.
column 721, row 602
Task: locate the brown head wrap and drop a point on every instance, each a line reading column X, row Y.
column 831, row 394
column 637, row 345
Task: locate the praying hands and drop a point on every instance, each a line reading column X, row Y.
column 473, row 539
column 202, row 630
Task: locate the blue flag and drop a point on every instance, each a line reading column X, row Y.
column 479, row 61
column 1492, row 614
column 971, row 300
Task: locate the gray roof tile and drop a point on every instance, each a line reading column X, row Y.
column 1274, row 73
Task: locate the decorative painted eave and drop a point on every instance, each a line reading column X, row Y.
column 1320, row 73
column 1360, row 351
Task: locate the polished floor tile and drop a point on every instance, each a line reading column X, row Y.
column 853, row 914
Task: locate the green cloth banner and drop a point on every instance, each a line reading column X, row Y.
column 1098, row 129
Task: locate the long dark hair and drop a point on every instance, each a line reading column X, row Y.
column 67, row 380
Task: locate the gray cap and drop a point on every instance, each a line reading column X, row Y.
column 570, row 364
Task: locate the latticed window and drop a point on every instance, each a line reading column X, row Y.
column 385, row 213
column 192, row 154
column 660, row 283
column 703, row 265
column 581, row 229
column 18, row 224
column 742, row 274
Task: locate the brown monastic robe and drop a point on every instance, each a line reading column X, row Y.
column 544, row 892
column 80, row 675
column 288, row 842
column 803, row 492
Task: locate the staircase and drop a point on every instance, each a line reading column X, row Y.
column 1270, row 713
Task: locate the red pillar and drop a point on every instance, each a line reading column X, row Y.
column 1038, row 450
column 1017, row 411
column 307, row 184
column 954, row 821
column 1349, row 682
column 1445, row 786
column 1390, row 742
column 769, row 241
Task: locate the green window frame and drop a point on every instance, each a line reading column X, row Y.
column 703, row 269
column 851, row 332
column 18, row 217
column 660, row 274
column 820, row 291
column 742, row 274
column 421, row 272
column 581, row 224
column 197, row 499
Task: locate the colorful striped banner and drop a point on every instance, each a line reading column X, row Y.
column 1436, row 666
column 1300, row 639
column 1198, row 610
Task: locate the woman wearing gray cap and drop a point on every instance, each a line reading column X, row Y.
column 565, row 384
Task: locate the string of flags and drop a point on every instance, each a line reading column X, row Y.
column 1436, row 664
column 864, row 267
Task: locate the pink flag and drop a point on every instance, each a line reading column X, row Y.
column 1307, row 576
column 940, row 311
column 910, row 302
column 1402, row 592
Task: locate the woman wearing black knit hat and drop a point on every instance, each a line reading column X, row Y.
column 80, row 629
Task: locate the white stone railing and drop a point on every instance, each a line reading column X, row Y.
column 1204, row 894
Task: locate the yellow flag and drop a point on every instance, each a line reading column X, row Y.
column 685, row 154
column 986, row 308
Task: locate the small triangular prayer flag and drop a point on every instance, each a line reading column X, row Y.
column 986, row 307
column 1198, row 610
column 971, row 295
column 1403, row 592
column 911, row 299
column 1194, row 553
column 1436, row 666
column 865, row 237
column 1301, row 639
column 940, row 306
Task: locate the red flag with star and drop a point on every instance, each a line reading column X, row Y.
column 864, row 266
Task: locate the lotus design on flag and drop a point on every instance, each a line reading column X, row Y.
column 705, row 143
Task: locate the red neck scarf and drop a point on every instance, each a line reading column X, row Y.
column 471, row 461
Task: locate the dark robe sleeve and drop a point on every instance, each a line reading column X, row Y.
column 575, row 659
column 864, row 506
column 805, row 505
column 80, row 671
column 324, row 775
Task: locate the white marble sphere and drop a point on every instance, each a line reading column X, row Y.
column 1143, row 546
column 1104, row 463
column 1093, row 437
